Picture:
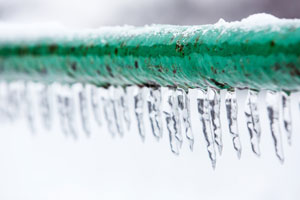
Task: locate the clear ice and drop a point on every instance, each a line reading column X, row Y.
column 252, row 119
column 232, row 110
column 184, row 112
column 286, row 115
column 96, row 104
column 84, row 112
column 110, row 106
column 172, row 121
column 154, row 110
column 203, row 110
column 45, row 106
column 116, row 96
column 213, row 97
column 139, row 110
column 273, row 114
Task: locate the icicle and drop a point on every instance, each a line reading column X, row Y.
column 184, row 111
column 95, row 103
column 232, row 109
column 172, row 121
column 286, row 114
column 154, row 103
column 213, row 97
column 84, row 112
column 62, row 113
column 27, row 98
column 108, row 109
column 69, row 107
column 203, row 109
column 116, row 94
column 273, row 114
column 252, row 118
column 45, row 110
column 138, row 109
column 125, row 106
column 12, row 105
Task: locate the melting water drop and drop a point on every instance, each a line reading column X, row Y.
column 84, row 112
column 116, row 95
column 154, row 103
column 172, row 121
column 213, row 97
column 232, row 109
column 184, row 111
column 203, row 110
column 45, row 108
column 138, row 109
column 252, row 119
column 273, row 114
column 96, row 104
column 286, row 114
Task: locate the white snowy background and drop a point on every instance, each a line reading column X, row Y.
column 48, row 165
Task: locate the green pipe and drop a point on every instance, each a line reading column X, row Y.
column 223, row 56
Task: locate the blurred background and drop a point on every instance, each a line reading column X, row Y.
column 48, row 165
column 95, row 13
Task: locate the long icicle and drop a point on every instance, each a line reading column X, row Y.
column 203, row 110
column 273, row 114
column 232, row 110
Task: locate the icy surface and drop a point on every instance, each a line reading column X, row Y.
column 13, row 32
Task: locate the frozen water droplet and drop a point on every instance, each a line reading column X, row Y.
column 252, row 118
column 108, row 109
column 45, row 110
column 213, row 97
column 154, row 103
column 273, row 114
column 232, row 109
column 116, row 95
column 96, row 104
column 184, row 111
column 172, row 121
column 286, row 114
column 203, row 110
column 84, row 112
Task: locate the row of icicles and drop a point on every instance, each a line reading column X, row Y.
column 112, row 105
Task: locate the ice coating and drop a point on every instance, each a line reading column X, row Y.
column 15, row 31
